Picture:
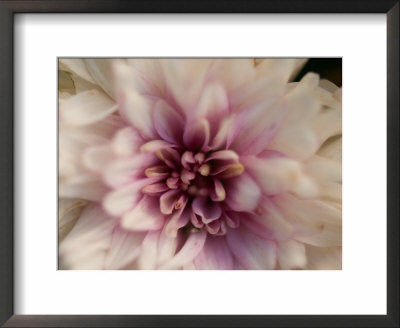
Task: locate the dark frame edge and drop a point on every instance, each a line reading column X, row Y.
column 393, row 146
column 6, row 165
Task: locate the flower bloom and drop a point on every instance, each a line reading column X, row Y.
column 198, row 164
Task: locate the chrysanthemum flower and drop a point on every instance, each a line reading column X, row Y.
column 199, row 164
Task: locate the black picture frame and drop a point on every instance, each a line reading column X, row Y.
column 7, row 11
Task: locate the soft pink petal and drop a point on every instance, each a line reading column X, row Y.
column 144, row 216
column 119, row 201
column 124, row 249
column 206, row 209
column 269, row 222
column 213, row 103
column 218, row 193
column 251, row 251
column 258, row 126
column 197, row 135
column 168, row 201
column 97, row 157
column 168, row 122
column 126, row 142
column 126, row 169
column 243, row 193
column 192, row 247
column 215, row 255
column 178, row 220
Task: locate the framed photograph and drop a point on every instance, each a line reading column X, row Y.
column 204, row 164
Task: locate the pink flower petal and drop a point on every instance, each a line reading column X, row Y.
column 258, row 126
column 178, row 220
column 119, row 201
column 126, row 170
column 124, row 249
column 218, row 193
column 197, row 135
column 126, row 142
column 168, row 123
column 215, row 255
column 192, row 247
column 206, row 209
column 97, row 157
column 144, row 216
column 243, row 193
column 251, row 251
column 155, row 189
column 168, row 201
column 213, row 103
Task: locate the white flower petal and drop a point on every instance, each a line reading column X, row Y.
column 86, row 246
column 144, row 216
column 124, row 249
column 316, row 223
column 192, row 247
column 292, row 255
column 86, row 107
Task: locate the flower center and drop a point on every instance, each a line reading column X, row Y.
column 193, row 184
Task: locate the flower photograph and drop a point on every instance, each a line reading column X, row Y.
column 199, row 164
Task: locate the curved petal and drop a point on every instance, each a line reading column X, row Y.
column 251, row 251
column 258, row 125
column 69, row 211
column 316, row 223
column 144, row 216
column 279, row 174
column 76, row 66
column 192, row 247
column 168, row 123
column 197, row 135
column 292, row 255
column 243, row 193
column 84, row 186
column 206, row 209
column 126, row 170
column 124, row 249
column 324, row 258
column 137, row 111
column 100, row 70
column 86, row 107
column 215, row 255
column 119, row 201
column 213, row 103
column 126, row 142
column 87, row 244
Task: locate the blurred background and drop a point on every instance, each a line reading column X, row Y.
column 327, row 68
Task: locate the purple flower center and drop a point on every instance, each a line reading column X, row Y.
column 192, row 187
